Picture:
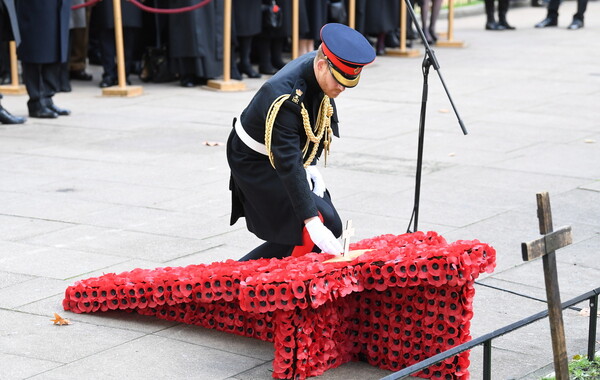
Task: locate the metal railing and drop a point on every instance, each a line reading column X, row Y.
column 486, row 340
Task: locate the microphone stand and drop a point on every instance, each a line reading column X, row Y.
column 428, row 61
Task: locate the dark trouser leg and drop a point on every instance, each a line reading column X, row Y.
column 553, row 9
column 502, row 10
column 276, row 52
column 263, row 44
column 108, row 53
column 268, row 250
column 245, row 67
column 581, row 6
column 331, row 220
column 32, row 78
column 329, row 213
column 489, row 10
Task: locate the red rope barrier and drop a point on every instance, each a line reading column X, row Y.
column 168, row 11
column 86, row 4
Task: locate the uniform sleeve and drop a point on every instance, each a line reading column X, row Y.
column 287, row 157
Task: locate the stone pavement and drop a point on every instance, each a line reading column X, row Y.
column 128, row 182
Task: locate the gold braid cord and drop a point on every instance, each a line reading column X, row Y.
column 322, row 128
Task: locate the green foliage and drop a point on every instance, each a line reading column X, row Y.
column 582, row 369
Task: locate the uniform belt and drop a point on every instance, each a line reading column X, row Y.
column 248, row 140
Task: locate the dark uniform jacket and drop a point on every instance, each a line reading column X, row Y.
column 9, row 28
column 276, row 202
column 44, row 27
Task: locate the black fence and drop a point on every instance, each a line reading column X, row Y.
column 486, row 340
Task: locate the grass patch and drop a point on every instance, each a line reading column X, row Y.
column 582, row 369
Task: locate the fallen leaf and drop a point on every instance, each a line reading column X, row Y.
column 443, row 110
column 589, row 141
column 213, row 143
column 452, row 154
column 585, row 312
column 58, row 320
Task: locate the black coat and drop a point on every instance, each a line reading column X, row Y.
column 275, row 202
column 247, row 17
column 313, row 15
column 44, row 27
column 131, row 16
column 374, row 17
column 9, row 26
column 197, row 34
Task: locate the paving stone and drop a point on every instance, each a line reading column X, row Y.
column 151, row 355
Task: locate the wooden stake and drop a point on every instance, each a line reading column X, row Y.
column 402, row 51
column 295, row 28
column 450, row 41
column 352, row 14
column 546, row 247
column 121, row 89
column 227, row 84
column 14, row 88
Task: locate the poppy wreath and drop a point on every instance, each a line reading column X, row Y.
column 408, row 298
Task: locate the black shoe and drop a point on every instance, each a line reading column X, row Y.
column 43, row 113
column 80, row 75
column 59, row 111
column 108, row 82
column 433, row 35
column 494, row 26
column 187, row 82
column 575, row 24
column 506, row 25
column 548, row 21
column 267, row 70
column 277, row 63
column 7, row 118
column 248, row 70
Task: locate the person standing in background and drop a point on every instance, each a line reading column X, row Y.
column 491, row 23
column 195, row 42
column 44, row 27
column 552, row 16
column 9, row 31
column 103, row 16
column 247, row 17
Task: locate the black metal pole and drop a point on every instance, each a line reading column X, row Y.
column 415, row 215
column 592, row 332
column 429, row 60
column 487, row 360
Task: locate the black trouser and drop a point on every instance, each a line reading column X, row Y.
column 108, row 50
column 42, row 81
column 331, row 219
column 554, row 4
column 502, row 9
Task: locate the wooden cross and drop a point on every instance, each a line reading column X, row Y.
column 346, row 235
column 347, row 255
column 545, row 247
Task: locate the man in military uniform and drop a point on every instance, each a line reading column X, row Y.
column 273, row 148
column 9, row 31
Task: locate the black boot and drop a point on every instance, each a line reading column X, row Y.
column 502, row 10
column 263, row 45
column 245, row 66
column 277, row 52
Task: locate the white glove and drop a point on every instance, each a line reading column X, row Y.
column 323, row 238
column 313, row 176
